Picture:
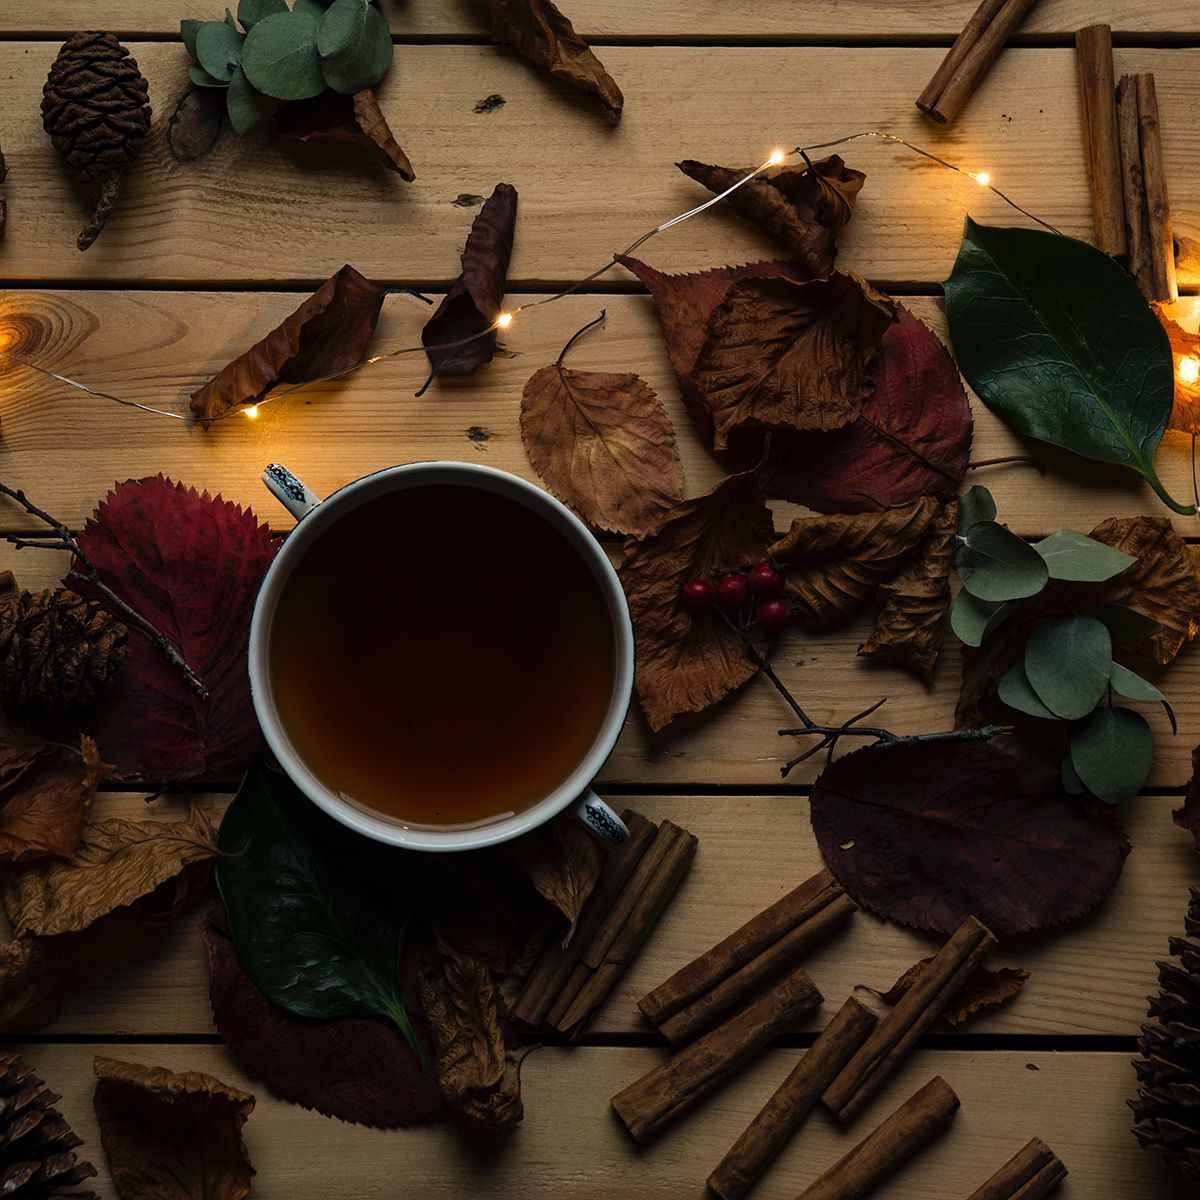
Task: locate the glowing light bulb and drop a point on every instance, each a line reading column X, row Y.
column 8, row 339
column 504, row 320
column 983, row 178
column 777, row 156
column 1188, row 369
column 251, row 411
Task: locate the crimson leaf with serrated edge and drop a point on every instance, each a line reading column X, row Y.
column 928, row 834
column 191, row 565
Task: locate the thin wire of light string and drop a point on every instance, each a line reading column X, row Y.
column 505, row 319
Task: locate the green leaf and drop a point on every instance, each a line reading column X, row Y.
column 975, row 506
column 247, row 106
column 995, row 564
column 280, row 56
column 1055, row 337
column 219, row 49
column 1068, row 660
column 973, row 621
column 316, row 913
column 1126, row 625
column 1017, row 692
column 355, row 45
column 201, row 78
column 187, row 30
column 1077, row 557
column 1111, row 753
column 1132, row 686
column 250, row 12
column 313, row 8
column 1070, row 778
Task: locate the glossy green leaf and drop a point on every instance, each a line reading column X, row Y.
column 201, row 78
column 995, row 564
column 1017, row 692
column 1070, row 778
column 975, row 505
column 317, row 914
column 250, row 12
column 247, row 106
column 1079, row 558
column 973, row 621
column 1126, row 625
column 1055, row 337
column 280, row 56
column 1132, row 686
column 1111, row 753
column 219, row 49
column 188, row 30
column 1068, row 660
column 355, row 45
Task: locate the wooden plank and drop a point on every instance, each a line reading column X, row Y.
column 569, row 1147
column 256, row 209
column 752, row 850
column 717, row 20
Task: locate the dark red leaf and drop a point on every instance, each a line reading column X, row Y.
column 191, row 565
column 928, row 834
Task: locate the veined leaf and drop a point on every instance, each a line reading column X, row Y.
column 1068, row 661
column 976, row 505
column 995, row 564
column 1111, row 753
column 1079, row 558
column 280, row 56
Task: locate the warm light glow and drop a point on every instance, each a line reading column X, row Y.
column 250, row 412
column 777, row 156
column 8, row 339
column 1188, row 369
column 504, row 320
column 983, row 178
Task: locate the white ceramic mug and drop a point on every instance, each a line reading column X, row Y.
column 313, row 515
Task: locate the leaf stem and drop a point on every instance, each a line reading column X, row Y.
column 1008, row 458
column 578, row 334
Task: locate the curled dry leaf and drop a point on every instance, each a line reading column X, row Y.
column 835, row 562
column 802, row 210
column 1187, row 816
column 563, row 861
column 912, row 619
column 544, row 35
column 117, row 863
column 470, row 308
column 46, row 790
column 172, row 1136
column 357, row 119
column 685, row 663
column 927, row 834
column 33, row 973
column 328, row 333
column 787, row 355
column 191, row 565
column 983, row 989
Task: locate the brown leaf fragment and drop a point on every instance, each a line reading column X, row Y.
column 983, row 989
column 912, row 620
column 356, row 119
column 538, row 30
column 328, row 333
column 469, row 309
column 33, row 973
column 563, row 861
column 803, row 210
column 196, row 124
column 835, row 562
column 1185, row 353
column 685, row 663
column 172, row 1136
column 46, row 790
column 1188, row 815
column 117, row 863
column 788, row 355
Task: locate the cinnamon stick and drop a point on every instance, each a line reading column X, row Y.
column 971, row 56
column 895, row 1035
column 647, row 1106
column 1030, row 1174
column 545, row 982
column 912, row 1126
column 697, row 994
column 1097, row 94
column 795, row 1098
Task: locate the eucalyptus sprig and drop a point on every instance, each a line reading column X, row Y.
column 281, row 53
column 1066, row 673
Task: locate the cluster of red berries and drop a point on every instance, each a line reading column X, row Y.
column 733, row 592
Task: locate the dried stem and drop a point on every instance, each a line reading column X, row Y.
column 64, row 539
column 1008, row 458
column 578, row 334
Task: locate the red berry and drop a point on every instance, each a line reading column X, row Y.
column 698, row 595
column 765, row 581
column 773, row 615
column 732, row 592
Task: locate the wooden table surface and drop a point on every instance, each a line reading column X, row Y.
column 200, row 260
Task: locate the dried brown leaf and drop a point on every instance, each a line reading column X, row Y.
column 803, row 210
column 835, row 562
column 172, row 1136
column 357, row 119
column 685, row 663
column 33, row 972
column 983, row 989
column 328, row 333
column 912, row 620
column 544, row 35
column 46, row 790
column 1188, row 815
column 563, row 861
column 786, row 355
column 117, row 863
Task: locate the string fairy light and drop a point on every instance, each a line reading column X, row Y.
column 9, row 338
column 1188, row 370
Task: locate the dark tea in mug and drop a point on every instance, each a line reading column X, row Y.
column 442, row 655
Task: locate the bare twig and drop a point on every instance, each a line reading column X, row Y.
column 83, row 568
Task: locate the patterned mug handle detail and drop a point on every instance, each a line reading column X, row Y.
column 291, row 492
column 601, row 820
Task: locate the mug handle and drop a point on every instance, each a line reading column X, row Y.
column 290, row 491
column 600, row 820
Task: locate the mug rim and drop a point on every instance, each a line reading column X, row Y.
column 358, row 817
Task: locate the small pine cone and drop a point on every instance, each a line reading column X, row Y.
column 96, row 109
column 1167, row 1107
column 37, row 1145
column 58, row 652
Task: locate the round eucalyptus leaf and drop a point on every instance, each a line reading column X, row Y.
column 1079, row 558
column 355, row 45
column 201, row 78
column 1132, row 686
column 1068, row 660
column 995, row 564
column 314, row 8
column 247, row 106
column 1126, row 625
column 187, row 31
column 250, row 12
column 973, row 621
column 1111, row 753
column 1016, row 691
column 280, row 56
column 975, row 506
column 1070, row 778
column 219, row 49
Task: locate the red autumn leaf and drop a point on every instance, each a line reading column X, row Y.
column 470, row 308
column 928, row 834
column 357, row 1069
column 191, row 565
column 357, row 119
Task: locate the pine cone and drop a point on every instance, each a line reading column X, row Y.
column 58, row 652
column 96, row 109
column 1168, row 1104
column 37, row 1146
